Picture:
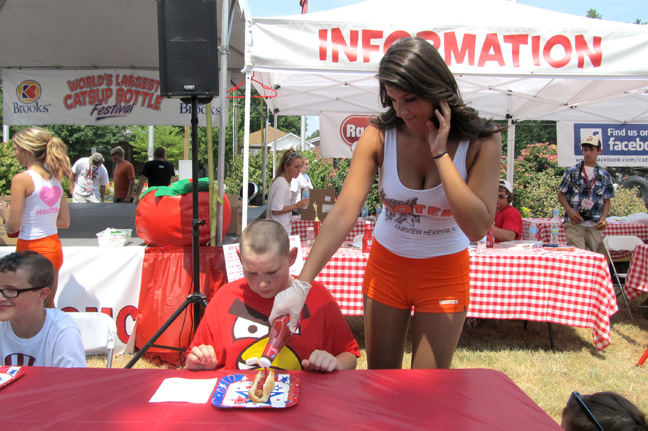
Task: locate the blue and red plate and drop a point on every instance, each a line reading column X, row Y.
column 232, row 392
column 9, row 374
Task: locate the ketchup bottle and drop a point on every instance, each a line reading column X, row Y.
column 367, row 239
column 490, row 238
column 279, row 336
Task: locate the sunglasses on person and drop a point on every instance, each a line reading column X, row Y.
column 577, row 396
column 502, row 196
column 10, row 292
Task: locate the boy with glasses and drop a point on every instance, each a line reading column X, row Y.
column 31, row 334
column 508, row 221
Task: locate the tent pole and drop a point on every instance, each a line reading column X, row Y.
column 224, row 116
column 265, row 154
column 274, row 148
column 246, row 148
column 151, row 141
column 303, row 133
column 510, row 153
column 5, row 133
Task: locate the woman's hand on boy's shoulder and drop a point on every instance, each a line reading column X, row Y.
column 202, row 357
column 321, row 360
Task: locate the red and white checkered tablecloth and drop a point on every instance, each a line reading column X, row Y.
column 544, row 231
column 567, row 287
column 635, row 283
column 299, row 228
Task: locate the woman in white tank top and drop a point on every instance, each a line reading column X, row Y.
column 439, row 168
column 38, row 203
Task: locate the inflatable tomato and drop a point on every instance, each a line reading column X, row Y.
column 165, row 214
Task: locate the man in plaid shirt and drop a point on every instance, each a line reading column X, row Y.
column 585, row 192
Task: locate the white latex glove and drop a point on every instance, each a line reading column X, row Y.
column 290, row 301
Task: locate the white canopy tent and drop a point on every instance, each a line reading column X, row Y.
column 511, row 61
column 116, row 36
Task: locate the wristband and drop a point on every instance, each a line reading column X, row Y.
column 440, row 155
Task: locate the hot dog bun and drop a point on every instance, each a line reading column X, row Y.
column 268, row 385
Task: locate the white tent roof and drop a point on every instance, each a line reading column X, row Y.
column 509, row 59
column 94, row 34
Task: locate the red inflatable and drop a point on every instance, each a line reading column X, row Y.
column 167, row 220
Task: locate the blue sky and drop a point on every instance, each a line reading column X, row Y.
column 613, row 10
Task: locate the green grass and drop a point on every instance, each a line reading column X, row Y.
column 547, row 376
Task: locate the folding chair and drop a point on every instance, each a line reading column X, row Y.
column 620, row 243
column 98, row 333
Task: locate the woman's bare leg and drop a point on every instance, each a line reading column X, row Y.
column 385, row 334
column 434, row 338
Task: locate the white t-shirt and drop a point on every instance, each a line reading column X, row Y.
column 57, row 344
column 279, row 196
column 298, row 184
column 88, row 177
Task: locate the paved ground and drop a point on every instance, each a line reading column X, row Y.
column 86, row 220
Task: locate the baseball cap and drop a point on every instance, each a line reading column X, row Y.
column 592, row 140
column 508, row 186
column 96, row 159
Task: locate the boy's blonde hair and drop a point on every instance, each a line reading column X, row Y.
column 263, row 236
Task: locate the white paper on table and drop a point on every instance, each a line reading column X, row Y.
column 184, row 390
column 235, row 269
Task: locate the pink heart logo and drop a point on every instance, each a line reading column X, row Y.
column 51, row 195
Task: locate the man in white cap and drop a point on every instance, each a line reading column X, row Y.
column 585, row 193
column 508, row 221
column 88, row 179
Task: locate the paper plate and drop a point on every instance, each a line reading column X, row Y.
column 232, row 392
column 9, row 374
column 521, row 244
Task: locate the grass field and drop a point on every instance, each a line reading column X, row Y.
column 548, row 377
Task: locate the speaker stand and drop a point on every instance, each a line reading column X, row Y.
column 196, row 297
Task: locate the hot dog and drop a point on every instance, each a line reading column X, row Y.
column 262, row 386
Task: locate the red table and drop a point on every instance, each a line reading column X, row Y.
column 299, row 228
column 117, row 399
column 544, row 231
column 635, row 283
column 567, row 287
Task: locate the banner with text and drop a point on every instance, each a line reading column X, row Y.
column 622, row 144
column 93, row 98
column 340, row 132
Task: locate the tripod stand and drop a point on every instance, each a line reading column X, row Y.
column 195, row 298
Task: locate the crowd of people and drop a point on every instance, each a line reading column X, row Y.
column 429, row 148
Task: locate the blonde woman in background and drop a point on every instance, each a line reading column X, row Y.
column 38, row 203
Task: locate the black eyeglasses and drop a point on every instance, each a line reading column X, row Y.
column 10, row 292
column 577, row 396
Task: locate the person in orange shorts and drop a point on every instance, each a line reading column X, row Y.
column 438, row 163
column 38, row 203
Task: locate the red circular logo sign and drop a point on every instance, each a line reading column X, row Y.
column 352, row 128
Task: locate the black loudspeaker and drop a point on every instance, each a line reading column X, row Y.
column 187, row 38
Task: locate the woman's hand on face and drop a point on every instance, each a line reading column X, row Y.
column 438, row 142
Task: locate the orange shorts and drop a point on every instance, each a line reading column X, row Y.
column 50, row 247
column 433, row 285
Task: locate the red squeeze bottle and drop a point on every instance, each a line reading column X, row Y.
column 367, row 239
column 279, row 336
column 490, row 238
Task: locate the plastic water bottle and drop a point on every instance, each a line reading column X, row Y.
column 305, row 193
column 556, row 215
column 310, row 236
column 481, row 246
column 365, row 210
column 555, row 231
column 533, row 232
column 378, row 210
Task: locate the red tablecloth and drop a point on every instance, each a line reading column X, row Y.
column 117, row 399
column 567, row 287
column 299, row 228
column 544, row 231
column 635, row 283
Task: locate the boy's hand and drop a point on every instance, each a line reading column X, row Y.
column 290, row 301
column 202, row 357
column 321, row 360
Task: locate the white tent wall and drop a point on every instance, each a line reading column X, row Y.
column 511, row 61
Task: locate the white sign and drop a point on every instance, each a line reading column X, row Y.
column 340, row 132
column 93, row 98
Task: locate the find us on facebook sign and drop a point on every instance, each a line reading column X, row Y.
column 623, row 144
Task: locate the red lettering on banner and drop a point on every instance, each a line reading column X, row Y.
column 595, row 54
column 549, row 46
column 491, row 44
column 124, row 313
column 516, row 40
column 432, row 37
column 457, row 48
column 451, row 48
column 367, row 47
column 350, row 50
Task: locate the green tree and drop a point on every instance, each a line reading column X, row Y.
column 169, row 137
column 592, row 13
column 9, row 167
column 81, row 139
